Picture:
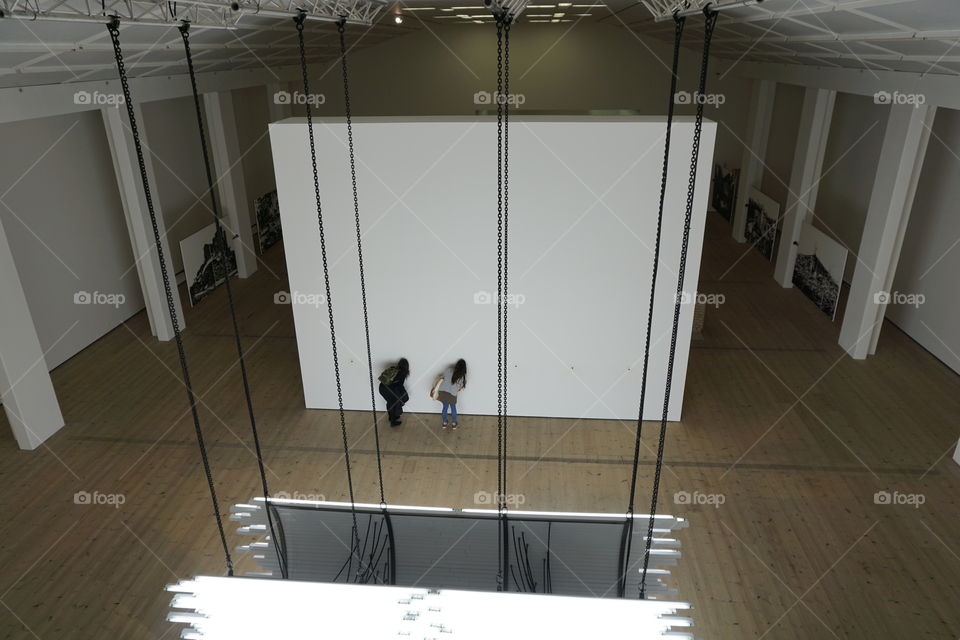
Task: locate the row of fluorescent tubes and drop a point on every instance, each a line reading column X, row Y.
column 556, row 17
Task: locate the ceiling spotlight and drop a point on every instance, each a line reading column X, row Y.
column 398, row 19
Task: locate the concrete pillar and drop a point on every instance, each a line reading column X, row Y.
column 25, row 386
column 227, row 168
column 138, row 220
column 812, row 136
column 901, row 159
column 751, row 166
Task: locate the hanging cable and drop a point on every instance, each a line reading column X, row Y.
column 221, row 244
column 356, row 214
column 299, row 20
column 709, row 25
column 113, row 27
column 628, row 537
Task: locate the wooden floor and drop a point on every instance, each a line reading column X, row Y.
column 795, row 437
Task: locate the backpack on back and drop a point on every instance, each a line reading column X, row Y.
column 390, row 375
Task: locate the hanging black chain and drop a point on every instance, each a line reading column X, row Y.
column 710, row 24
column 677, row 36
column 299, row 20
column 356, row 214
column 113, row 27
column 221, row 243
column 502, row 546
column 503, row 101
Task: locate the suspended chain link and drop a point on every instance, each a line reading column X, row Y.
column 677, row 36
column 299, row 20
column 113, row 27
column 711, row 22
column 356, row 214
column 221, row 241
column 502, row 547
column 504, row 102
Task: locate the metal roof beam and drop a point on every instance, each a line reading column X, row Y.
column 202, row 14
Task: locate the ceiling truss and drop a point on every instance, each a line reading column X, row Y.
column 834, row 33
column 209, row 14
column 54, row 41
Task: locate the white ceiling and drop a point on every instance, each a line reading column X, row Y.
column 915, row 36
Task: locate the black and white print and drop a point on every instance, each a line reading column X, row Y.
column 202, row 263
column 818, row 271
column 269, row 231
column 724, row 190
column 760, row 229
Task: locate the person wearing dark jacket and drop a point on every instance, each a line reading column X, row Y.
column 393, row 391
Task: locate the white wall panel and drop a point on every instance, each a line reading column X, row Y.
column 64, row 219
column 584, row 194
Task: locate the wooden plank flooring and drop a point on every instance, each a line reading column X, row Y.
column 796, row 437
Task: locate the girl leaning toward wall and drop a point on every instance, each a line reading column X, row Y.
column 450, row 383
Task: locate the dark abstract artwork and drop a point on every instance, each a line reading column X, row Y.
column 269, row 231
column 819, row 269
column 209, row 274
column 813, row 279
column 724, row 190
column 760, row 229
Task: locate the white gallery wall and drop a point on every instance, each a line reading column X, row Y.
column 778, row 161
column 180, row 192
column 849, row 167
column 61, row 211
column 583, row 193
column 252, row 112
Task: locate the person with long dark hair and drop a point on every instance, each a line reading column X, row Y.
column 452, row 382
column 393, row 391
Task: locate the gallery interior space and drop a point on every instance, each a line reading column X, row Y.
column 520, row 318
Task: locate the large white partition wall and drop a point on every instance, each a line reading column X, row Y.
column 583, row 207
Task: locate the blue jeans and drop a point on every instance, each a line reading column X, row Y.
column 453, row 412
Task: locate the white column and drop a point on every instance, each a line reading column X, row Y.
column 138, row 219
column 25, row 386
column 751, row 167
column 228, row 173
column 805, row 176
column 901, row 159
column 898, row 242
